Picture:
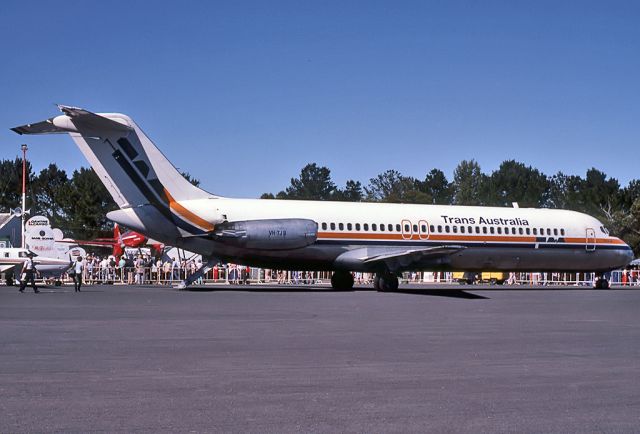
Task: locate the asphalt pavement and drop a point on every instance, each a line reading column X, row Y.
column 274, row 359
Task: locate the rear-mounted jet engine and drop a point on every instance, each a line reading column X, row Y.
column 272, row 234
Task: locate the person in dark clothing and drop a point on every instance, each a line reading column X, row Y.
column 78, row 268
column 28, row 274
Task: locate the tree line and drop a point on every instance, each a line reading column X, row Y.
column 78, row 204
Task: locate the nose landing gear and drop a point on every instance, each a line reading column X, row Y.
column 601, row 283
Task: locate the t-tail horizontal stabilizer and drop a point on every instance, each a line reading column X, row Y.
column 74, row 120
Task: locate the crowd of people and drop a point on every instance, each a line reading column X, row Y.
column 143, row 269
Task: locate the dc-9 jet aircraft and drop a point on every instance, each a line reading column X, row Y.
column 156, row 200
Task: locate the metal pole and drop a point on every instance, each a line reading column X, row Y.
column 24, row 190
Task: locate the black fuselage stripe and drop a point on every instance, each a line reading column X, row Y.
column 423, row 243
column 148, row 194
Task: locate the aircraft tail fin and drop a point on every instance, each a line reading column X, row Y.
column 131, row 167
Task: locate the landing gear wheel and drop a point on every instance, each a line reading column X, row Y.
column 385, row 282
column 342, row 281
column 602, row 283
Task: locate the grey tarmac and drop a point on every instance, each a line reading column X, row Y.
column 274, row 359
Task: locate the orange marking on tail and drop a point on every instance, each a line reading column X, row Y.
column 186, row 214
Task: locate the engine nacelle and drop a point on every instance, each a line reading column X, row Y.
column 271, row 234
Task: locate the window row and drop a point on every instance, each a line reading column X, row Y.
column 422, row 229
column 507, row 230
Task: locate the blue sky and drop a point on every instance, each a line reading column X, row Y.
column 243, row 94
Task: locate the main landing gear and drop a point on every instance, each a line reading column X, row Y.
column 342, row 280
column 384, row 282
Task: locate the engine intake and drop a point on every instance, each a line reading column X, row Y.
column 271, row 234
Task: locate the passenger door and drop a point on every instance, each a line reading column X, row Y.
column 590, row 242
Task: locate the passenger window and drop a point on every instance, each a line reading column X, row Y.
column 349, row 226
column 555, row 232
column 470, row 229
column 374, row 227
column 423, row 228
column 333, row 226
column 528, row 231
column 520, row 231
column 492, row 230
column 462, row 229
column 397, row 228
column 357, row 226
column 562, row 232
column 446, row 228
column 535, row 231
column 324, row 226
column 407, row 229
column 484, row 229
column 341, row 226
column 390, row 227
column 477, row 229
column 365, row 226
column 432, row 228
column 499, row 230
column 415, row 229
column 455, row 229
column 548, row 231
column 382, row 228
column 440, row 228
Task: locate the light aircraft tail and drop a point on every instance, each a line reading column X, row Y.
column 143, row 183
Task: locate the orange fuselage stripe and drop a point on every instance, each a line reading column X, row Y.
column 186, row 214
column 450, row 238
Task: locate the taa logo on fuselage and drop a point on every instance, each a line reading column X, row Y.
column 277, row 233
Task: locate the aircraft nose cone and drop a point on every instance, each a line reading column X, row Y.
column 630, row 256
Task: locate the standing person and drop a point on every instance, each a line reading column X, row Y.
column 28, row 272
column 78, row 267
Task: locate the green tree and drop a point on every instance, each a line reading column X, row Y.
column 191, row 179
column 468, row 183
column 600, row 195
column 51, row 188
column 515, row 182
column 352, row 192
column 87, row 205
column 11, row 184
column 436, row 187
column 314, row 183
column 392, row 186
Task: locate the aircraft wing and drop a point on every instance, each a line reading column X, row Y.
column 399, row 258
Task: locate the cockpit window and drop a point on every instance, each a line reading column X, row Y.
column 604, row 230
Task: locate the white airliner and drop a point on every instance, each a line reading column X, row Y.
column 387, row 239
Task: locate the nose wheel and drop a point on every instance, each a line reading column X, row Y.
column 385, row 282
column 601, row 283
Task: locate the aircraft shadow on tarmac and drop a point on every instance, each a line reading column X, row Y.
column 451, row 293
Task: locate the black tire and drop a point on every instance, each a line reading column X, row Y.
column 388, row 283
column 342, row 281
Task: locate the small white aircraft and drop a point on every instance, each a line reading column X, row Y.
column 156, row 200
column 12, row 258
